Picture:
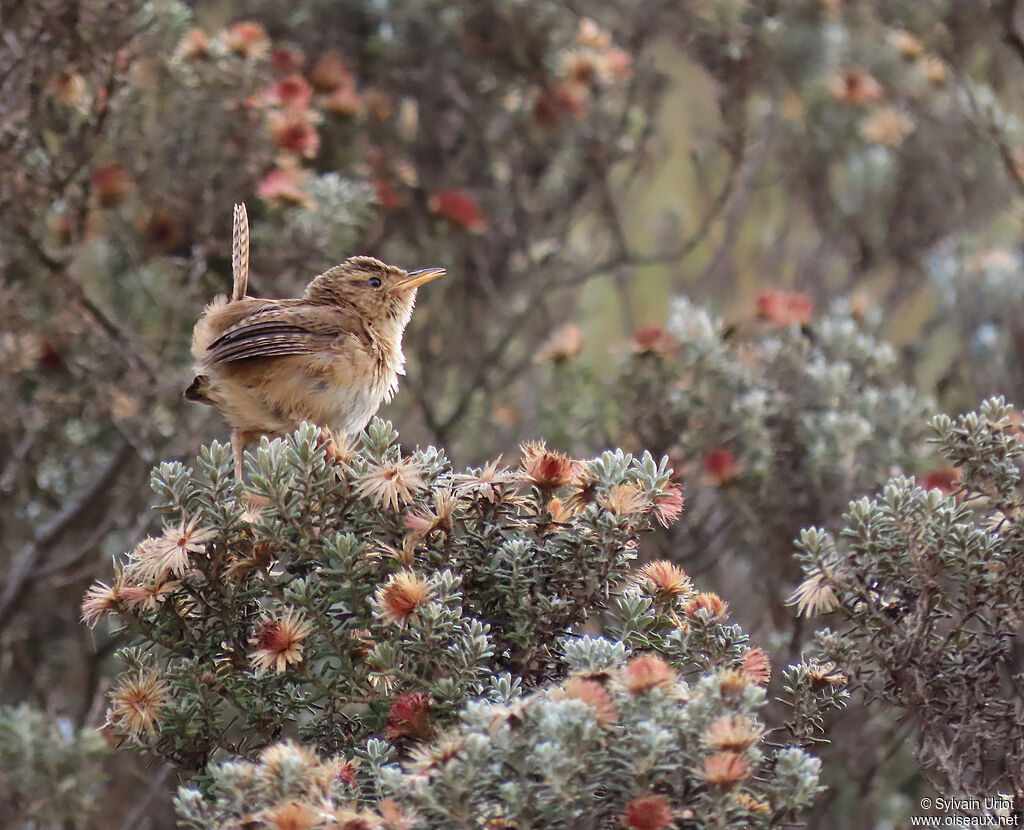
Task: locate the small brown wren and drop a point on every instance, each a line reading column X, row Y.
column 331, row 357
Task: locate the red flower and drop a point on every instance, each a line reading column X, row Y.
column 652, row 812
column 286, row 60
column 290, row 91
column 409, row 717
column 654, row 339
column 946, row 479
column 294, row 131
column 387, row 196
column 721, row 466
column 459, row 208
column 554, row 104
column 284, row 187
column 783, row 308
column 111, row 184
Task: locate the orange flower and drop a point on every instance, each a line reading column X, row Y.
column 194, row 46
column 278, row 641
column 656, row 340
column 594, row 695
column 725, row 769
column 626, row 500
column 721, row 466
column 110, row 184
column 645, row 672
column 292, row 815
column 756, row 666
column 784, row 308
column 247, row 40
column 329, row 74
column 664, row 581
column 402, row 596
column 293, row 131
column 736, row 733
column 887, row 126
column 409, row 717
column 824, row 674
column 290, row 91
column 713, row 605
column 563, row 345
column 460, row 210
column 855, row 86
column 732, row 682
column 652, row 812
column 547, row 469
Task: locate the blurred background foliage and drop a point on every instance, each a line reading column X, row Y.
column 825, row 176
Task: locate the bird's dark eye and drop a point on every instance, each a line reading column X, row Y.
column 373, row 282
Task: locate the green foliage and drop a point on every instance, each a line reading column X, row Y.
column 376, row 599
column 925, row 586
column 50, row 775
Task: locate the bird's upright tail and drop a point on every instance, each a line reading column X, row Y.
column 240, row 253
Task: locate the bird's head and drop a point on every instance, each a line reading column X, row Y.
column 380, row 293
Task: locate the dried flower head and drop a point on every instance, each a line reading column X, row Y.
column 756, row 666
column 725, row 769
column 422, row 523
column 402, row 596
column 711, row 604
column 491, row 483
column 101, row 598
column 427, row 758
column 651, row 812
column 664, row 581
column 292, row 815
column 278, row 641
column 546, row 469
column 594, row 695
column 290, row 91
column 648, row 671
column 392, row 484
column 140, row 592
column 136, row 703
column 736, row 733
column 171, row 552
column 668, row 504
column 815, row 595
column 946, row 479
column 584, row 490
column 286, row 761
column 824, row 674
column 752, row 804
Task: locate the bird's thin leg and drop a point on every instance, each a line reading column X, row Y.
column 238, row 446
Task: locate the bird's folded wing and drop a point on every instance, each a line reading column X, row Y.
column 279, row 332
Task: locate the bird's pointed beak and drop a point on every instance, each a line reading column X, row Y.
column 418, row 278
